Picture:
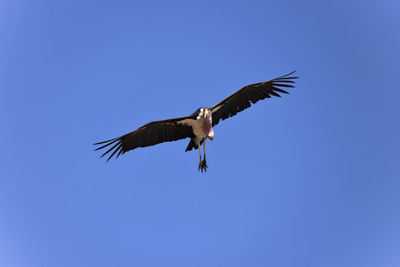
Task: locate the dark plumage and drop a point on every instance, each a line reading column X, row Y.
column 198, row 126
column 150, row 134
column 252, row 93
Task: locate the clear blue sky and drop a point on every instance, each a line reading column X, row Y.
column 309, row 179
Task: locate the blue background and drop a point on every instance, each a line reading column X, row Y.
column 309, row 179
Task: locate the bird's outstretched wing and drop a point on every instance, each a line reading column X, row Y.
column 150, row 134
column 242, row 99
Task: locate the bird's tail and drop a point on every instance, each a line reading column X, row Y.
column 191, row 145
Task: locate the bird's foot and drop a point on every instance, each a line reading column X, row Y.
column 203, row 166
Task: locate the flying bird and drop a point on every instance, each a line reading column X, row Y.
column 198, row 126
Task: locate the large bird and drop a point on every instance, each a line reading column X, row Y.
column 198, row 126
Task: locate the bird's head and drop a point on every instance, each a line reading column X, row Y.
column 203, row 113
column 206, row 114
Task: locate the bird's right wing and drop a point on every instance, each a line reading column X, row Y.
column 252, row 93
column 149, row 134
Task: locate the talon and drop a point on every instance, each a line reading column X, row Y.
column 204, row 166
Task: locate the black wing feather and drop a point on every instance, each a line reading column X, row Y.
column 148, row 135
column 252, row 93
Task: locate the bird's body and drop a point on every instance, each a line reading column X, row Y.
column 197, row 126
column 201, row 123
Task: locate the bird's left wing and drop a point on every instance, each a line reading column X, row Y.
column 150, row 134
column 252, row 93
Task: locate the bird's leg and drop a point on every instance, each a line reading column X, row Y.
column 204, row 163
column 200, row 163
